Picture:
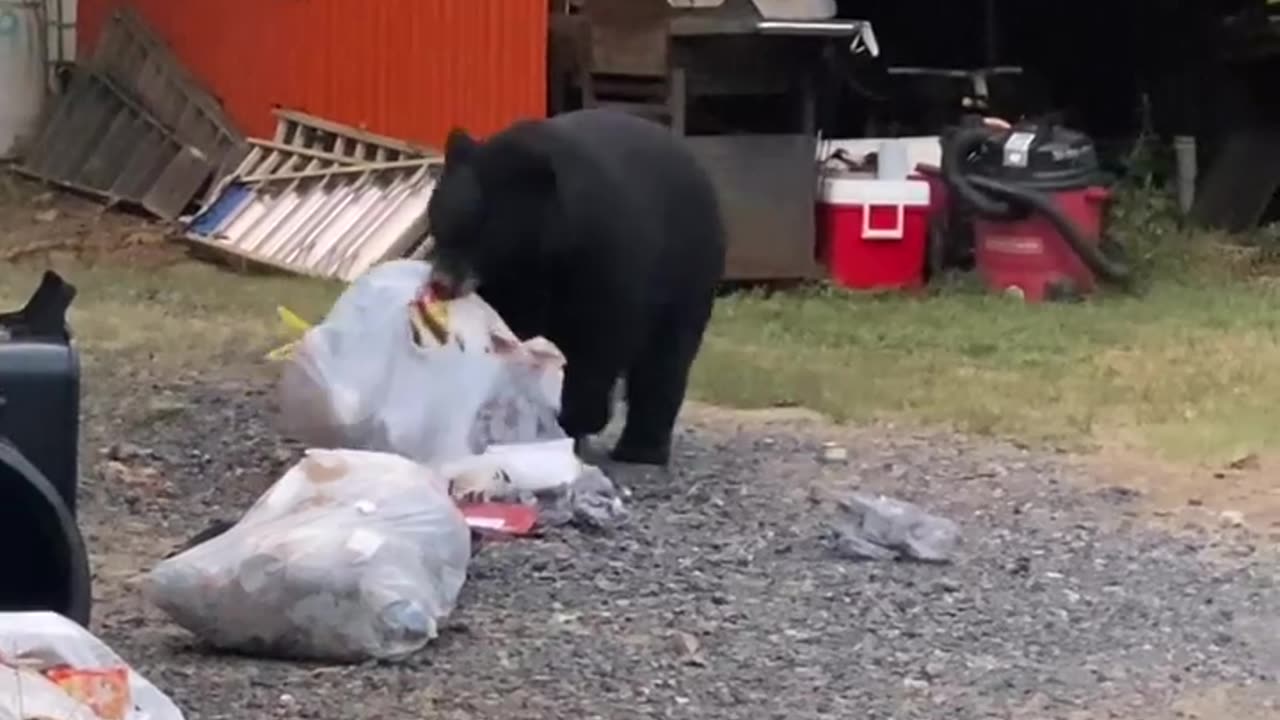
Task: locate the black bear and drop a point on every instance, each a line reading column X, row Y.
column 600, row 231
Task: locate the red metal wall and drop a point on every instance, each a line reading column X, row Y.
column 407, row 68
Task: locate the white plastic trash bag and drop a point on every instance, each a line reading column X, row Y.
column 350, row 556
column 365, row 379
column 50, row 667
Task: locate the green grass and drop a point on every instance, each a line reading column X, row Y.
column 1188, row 368
column 187, row 315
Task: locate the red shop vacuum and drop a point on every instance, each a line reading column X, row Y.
column 1034, row 199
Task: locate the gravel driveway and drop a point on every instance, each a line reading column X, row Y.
column 719, row 600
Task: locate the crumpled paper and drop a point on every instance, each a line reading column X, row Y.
column 548, row 475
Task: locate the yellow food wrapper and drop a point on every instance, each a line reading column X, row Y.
column 430, row 317
column 294, row 325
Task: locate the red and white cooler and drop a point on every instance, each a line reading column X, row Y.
column 873, row 234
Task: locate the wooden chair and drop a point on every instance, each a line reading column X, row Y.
column 625, row 60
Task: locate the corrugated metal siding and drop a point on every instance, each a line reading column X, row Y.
column 406, row 68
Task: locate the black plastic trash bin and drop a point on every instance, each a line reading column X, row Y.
column 44, row 564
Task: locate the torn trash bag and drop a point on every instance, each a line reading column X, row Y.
column 434, row 384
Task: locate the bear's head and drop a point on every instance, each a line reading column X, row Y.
column 492, row 209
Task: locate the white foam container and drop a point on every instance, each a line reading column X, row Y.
column 926, row 149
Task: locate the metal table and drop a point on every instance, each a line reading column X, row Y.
column 767, row 183
column 726, row 28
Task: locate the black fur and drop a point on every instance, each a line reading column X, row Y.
column 601, row 232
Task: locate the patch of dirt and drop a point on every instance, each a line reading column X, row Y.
column 757, row 417
column 1226, row 703
column 1243, row 492
column 1216, row 702
column 39, row 220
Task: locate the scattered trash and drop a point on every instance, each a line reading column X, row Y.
column 1119, row 493
column 322, row 199
column 689, row 649
column 365, row 379
column 1232, row 518
column 915, row 684
column 548, row 475
column 502, row 519
column 295, row 325
column 833, row 454
column 359, row 553
column 52, row 668
column 350, row 556
column 1249, row 461
column 594, row 501
column 882, row 528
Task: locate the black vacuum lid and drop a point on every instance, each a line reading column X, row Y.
column 1041, row 156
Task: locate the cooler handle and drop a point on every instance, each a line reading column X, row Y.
column 894, row 233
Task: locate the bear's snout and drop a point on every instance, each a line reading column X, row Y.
column 445, row 285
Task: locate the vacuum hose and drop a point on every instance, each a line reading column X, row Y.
column 1002, row 201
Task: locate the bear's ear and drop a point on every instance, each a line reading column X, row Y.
column 459, row 147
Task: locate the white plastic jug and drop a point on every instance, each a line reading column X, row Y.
column 892, row 160
column 22, row 66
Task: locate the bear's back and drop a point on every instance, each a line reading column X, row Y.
column 656, row 169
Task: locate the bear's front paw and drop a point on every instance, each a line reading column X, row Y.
column 636, row 455
column 587, row 451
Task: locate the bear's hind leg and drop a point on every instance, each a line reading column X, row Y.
column 586, row 400
column 656, row 384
